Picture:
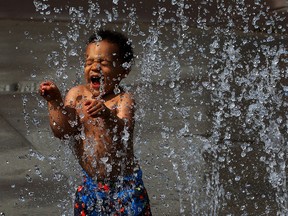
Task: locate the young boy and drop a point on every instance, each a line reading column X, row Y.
column 99, row 116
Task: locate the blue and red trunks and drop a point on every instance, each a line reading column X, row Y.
column 127, row 196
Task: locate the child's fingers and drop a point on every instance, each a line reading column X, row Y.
column 93, row 107
column 46, row 87
column 95, row 110
column 42, row 89
column 88, row 102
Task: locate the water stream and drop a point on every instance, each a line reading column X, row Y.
column 211, row 131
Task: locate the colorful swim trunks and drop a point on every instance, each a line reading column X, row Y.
column 124, row 197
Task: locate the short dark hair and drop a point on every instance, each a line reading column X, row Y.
column 123, row 43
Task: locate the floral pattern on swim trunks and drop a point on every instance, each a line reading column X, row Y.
column 124, row 197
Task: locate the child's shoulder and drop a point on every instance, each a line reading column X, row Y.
column 120, row 97
column 79, row 89
column 126, row 96
column 76, row 91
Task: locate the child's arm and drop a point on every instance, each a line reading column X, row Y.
column 63, row 118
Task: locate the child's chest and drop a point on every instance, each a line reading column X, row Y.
column 81, row 101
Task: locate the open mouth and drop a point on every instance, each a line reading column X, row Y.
column 95, row 81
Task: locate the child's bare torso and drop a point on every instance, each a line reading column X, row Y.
column 100, row 149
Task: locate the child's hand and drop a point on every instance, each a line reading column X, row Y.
column 96, row 108
column 49, row 91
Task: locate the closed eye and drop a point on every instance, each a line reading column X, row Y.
column 88, row 62
column 103, row 62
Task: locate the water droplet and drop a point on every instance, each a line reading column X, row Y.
column 221, row 159
column 52, row 157
column 28, row 178
column 237, row 178
column 73, row 52
column 172, row 84
column 41, row 103
column 58, row 176
column 65, row 76
column 22, row 198
column 38, row 171
column 116, row 90
column 109, row 168
column 104, row 159
column 64, row 112
column 81, row 115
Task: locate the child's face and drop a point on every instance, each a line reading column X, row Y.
column 103, row 67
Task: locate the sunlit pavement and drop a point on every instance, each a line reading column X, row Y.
column 38, row 174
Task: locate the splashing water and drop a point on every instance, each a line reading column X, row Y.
column 210, row 122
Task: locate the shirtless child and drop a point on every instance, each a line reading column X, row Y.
column 99, row 116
